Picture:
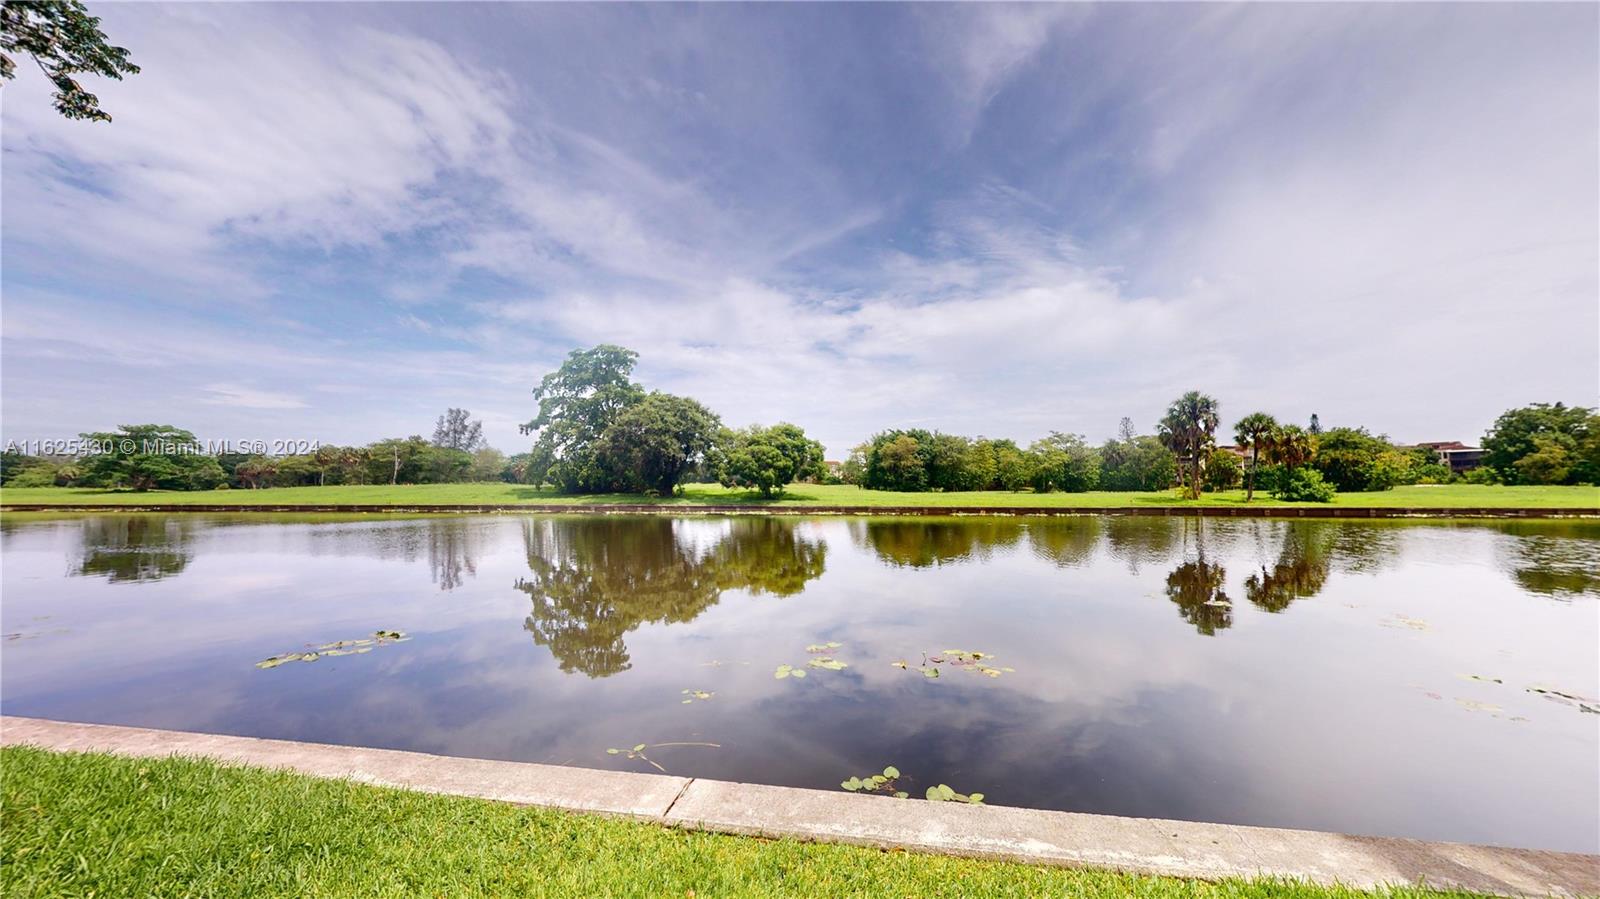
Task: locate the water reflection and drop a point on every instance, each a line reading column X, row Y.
column 592, row 580
column 919, row 543
column 1197, row 588
column 1141, row 541
column 1069, row 542
column 1300, row 571
column 1555, row 567
column 1119, row 702
column 453, row 551
column 135, row 548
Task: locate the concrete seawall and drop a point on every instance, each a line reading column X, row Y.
column 1136, row 845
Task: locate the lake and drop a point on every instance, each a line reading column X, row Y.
column 1433, row 680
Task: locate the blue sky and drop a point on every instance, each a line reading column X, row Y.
column 334, row 221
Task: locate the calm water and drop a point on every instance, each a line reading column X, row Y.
column 1285, row 673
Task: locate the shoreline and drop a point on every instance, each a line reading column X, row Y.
column 1199, row 850
column 1359, row 512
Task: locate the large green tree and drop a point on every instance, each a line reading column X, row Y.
column 1064, row 462
column 1564, row 442
column 1252, row 433
column 651, row 445
column 1136, row 463
column 64, row 41
column 1353, row 460
column 1189, row 429
column 769, row 458
column 577, row 402
column 150, row 457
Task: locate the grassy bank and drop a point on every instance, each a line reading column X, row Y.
column 1454, row 496
column 96, row 825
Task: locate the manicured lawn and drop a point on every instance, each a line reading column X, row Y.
column 96, row 825
column 1447, row 496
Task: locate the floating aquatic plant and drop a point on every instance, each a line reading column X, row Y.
column 822, row 659
column 1482, row 678
column 975, row 662
column 336, row 648
column 877, row 783
column 943, row 793
column 637, row 752
column 701, row 695
column 1584, row 703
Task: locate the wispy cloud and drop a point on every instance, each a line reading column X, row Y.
column 243, row 397
column 993, row 218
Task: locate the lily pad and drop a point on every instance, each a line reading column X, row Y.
column 336, row 648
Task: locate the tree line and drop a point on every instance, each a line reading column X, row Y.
column 164, row 457
column 599, row 431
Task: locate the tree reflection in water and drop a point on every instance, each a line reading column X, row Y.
column 135, row 548
column 453, row 551
column 1300, row 571
column 592, row 580
column 1138, row 541
column 1550, row 563
column 911, row 543
column 1197, row 587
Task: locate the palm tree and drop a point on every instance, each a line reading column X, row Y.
column 1252, row 432
column 1189, row 430
column 1290, row 446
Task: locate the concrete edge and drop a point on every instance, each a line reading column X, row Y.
column 1339, row 512
column 1133, row 845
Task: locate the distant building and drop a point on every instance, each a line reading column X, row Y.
column 1239, row 451
column 1457, row 455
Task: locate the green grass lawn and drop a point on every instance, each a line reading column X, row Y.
column 97, row 825
column 1447, row 496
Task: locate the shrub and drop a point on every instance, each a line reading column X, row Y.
column 1223, row 470
column 1302, row 485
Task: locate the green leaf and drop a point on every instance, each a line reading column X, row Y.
column 852, row 784
column 799, row 672
column 879, row 778
column 975, row 798
column 946, row 792
column 902, row 795
column 639, row 748
column 934, row 795
column 891, row 772
column 613, row 751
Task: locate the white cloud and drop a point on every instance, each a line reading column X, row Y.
column 247, row 127
column 1387, row 215
column 241, row 396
